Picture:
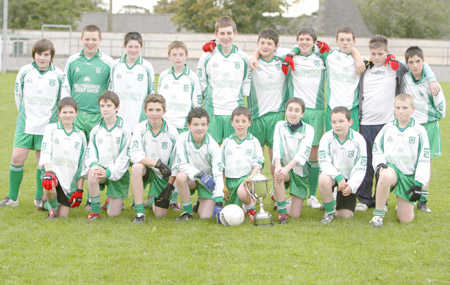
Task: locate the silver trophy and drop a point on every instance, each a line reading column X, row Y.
column 259, row 190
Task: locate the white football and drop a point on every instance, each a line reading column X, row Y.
column 232, row 215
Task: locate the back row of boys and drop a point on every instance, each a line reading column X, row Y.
column 225, row 79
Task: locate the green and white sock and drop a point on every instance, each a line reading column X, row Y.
column 139, row 209
column 281, row 206
column 39, row 188
column 249, row 206
column 379, row 213
column 53, row 204
column 174, row 197
column 15, row 179
column 188, row 207
column 95, row 204
column 329, row 207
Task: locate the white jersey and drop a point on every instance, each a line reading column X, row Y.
column 65, row 152
column 308, row 80
column 132, row 85
column 239, row 157
column 288, row 145
column 344, row 160
column 429, row 108
column 191, row 159
column 182, row 93
column 379, row 93
column 342, row 80
column 224, row 79
column 268, row 88
column 110, row 148
column 37, row 94
column 408, row 149
column 144, row 143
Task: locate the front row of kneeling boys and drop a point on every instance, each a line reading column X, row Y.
column 192, row 160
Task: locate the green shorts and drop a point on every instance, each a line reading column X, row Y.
column 117, row 189
column 263, row 127
column 86, row 122
column 297, row 185
column 233, row 184
column 203, row 193
column 28, row 141
column 315, row 118
column 220, row 127
column 434, row 137
column 404, row 182
column 354, row 112
column 156, row 184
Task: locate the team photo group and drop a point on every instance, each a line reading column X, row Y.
column 352, row 128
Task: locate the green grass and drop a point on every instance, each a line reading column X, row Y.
column 36, row 250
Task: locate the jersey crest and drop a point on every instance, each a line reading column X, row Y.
column 351, row 153
column 164, row 145
column 140, row 77
column 237, row 64
column 186, row 88
column 51, row 82
column 412, row 140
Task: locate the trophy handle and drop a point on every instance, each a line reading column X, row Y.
column 271, row 189
column 250, row 191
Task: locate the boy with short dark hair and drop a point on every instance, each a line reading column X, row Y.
column 342, row 160
column 242, row 158
column 37, row 92
column 62, row 158
column 401, row 158
column 108, row 158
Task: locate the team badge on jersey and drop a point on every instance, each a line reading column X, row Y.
column 135, row 145
column 308, row 151
column 185, row 88
column 140, row 77
column 412, row 140
column 118, row 76
column 98, row 70
column 56, row 141
column 351, row 153
column 117, row 140
column 77, row 145
column 363, row 161
column 237, row 64
column 199, row 72
column 164, row 145
column 426, row 152
column 278, row 66
column 317, row 63
column 322, row 154
column 248, row 152
column 51, row 82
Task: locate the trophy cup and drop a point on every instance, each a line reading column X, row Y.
column 259, row 190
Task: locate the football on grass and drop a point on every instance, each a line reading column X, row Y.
column 232, row 215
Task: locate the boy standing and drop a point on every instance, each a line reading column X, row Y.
column 224, row 79
column 87, row 76
column 199, row 165
column 62, row 158
column 242, row 157
column 342, row 160
column 152, row 154
column 107, row 157
column 37, row 92
column 429, row 108
column 180, row 87
column 401, row 158
column 291, row 148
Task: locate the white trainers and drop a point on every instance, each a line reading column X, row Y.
column 361, row 207
column 376, row 221
column 9, row 202
column 313, row 202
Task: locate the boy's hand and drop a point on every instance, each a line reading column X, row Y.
column 76, row 198
column 435, row 88
column 253, row 63
column 49, row 180
column 209, row 46
column 165, row 171
column 226, row 194
column 163, row 199
column 392, row 61
column 360, row 65
column 342, row 185
column 206, row 181
column 416, row 193
column 216, row 211
column 288, row 61
column 347, row 190
column 324, row 47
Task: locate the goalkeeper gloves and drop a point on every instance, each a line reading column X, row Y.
column 416, row 193
column 76, row 198
column 216, row 211
column 324, row 47
column 209, row 46
column 288, row 61
column 49, row 180
column 206, row 180
column 392, row 61
column 165, row 171
column 163, row 199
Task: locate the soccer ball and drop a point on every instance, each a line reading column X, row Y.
column 232, row 215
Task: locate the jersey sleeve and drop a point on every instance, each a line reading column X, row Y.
column 277, row 142
column 197, row 98
column 422, row 174
column 440, row 104
column 217, row 170
column 182, row 161
column 18, row 89
column 151, row 78
column 258, row 156
column 46, row 147
column 359, row 170
column 82, row 170
column 429, row 74
column 91, row 150
column 137, row 152
column 377, row 149
column 304, row 149
column 325, row 162
column 67, row 79
column 246, row 81
column 201, row 71
column 120, row 166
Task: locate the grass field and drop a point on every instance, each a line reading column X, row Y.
column 36, row 250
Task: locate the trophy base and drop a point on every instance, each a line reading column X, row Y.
column 263, row 219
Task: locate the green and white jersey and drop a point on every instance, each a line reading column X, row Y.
column 145, row 143
column 268, row 88
column 342, row 80
column 37, row 94
column 344, row 160
column 408, row 149
column 288, row 145
column 429, row 108
column 182, row 93
column 307, row 80
column 65, row 152
column 132, row 84
column 224, row 79
column 191, row 159
column 86, row 79
column 110, row 148
column 239, row 157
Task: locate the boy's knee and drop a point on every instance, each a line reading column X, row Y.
column 137, row 169
column 346, row 214
column 181, row 178
column 406, row 218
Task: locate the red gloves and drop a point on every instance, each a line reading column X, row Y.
column 76, row 198
column 392, row 61
column 323, row 47
column 288, row 61
column 49, row 180
column 209, row 46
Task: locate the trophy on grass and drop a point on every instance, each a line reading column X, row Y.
column 259, row 190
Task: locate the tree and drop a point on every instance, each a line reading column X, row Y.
column 200, row 15
column 31, row 14
column 407, row 18
column 133, row 9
